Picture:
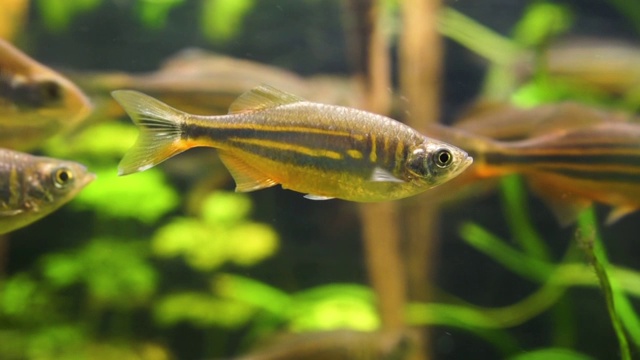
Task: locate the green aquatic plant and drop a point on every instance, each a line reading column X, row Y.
column 551, row 353
column 221, row 20
column 621, row 312
column 145, row 197
column 154, row 13
column 221, row 234
column 113, row 272
column 527, row 256
column 518, row 73
column 58, row 14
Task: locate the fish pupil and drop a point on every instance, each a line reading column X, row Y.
column 62, row 177
column 443, row 158
column 50, row 91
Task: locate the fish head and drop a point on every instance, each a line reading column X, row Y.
column 435, row 162
column 53, row 97
column 36, row 102
column 53, row 182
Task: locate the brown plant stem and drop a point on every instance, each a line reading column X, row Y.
column 381, row 234
column 420, row 78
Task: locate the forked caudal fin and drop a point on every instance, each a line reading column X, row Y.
column 160, row 131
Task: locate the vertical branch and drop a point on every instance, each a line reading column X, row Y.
column 420, row 71
column 379, row 220
column 420, row 61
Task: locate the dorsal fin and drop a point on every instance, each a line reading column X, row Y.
column 260, row 98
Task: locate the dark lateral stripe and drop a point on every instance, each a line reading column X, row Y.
column 592, row 159
column 299, row 157
column 198, row 129
column 300, row 138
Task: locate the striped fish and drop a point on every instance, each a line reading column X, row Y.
column 568, row 169
column 32, row 187
column 271, row 137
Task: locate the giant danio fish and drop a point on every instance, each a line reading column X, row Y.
column 35, row 101
column 32, row 187
column 271, row 137
column 569, row 168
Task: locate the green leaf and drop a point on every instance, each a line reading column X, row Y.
column 203, row 247
column 251, row 243
column 496, row 248
column 253, row 292
column 517, row 215
column 221, row 20
column 620, row 309
column 17, row 294
column 542, row 21
column 145, row 196
column 113, row 272
column 154, row 13
column 58, row 14
column 225, row 208
column 551, row 353
column 201, row 310
column 95, row 143
column 335, row 306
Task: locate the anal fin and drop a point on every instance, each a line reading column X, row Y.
column 247, row 177
column 317, row 197
column 619, row 212
column 566, row 206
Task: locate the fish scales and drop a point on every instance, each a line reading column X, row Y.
column 330, row 133
column 271, row 137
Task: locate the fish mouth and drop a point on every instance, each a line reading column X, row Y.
column 463, row 165
column 467, row 162
column 87, row 178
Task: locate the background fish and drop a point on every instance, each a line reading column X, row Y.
column 206, row 83
column 35, row 101
column 32, row 187
column 271, row 137
column 568, row 169
column 504, row 121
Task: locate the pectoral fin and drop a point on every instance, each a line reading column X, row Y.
column 317, row 197
column 382, row 175
column 9, row 213
column 247, row 178
column 565, row 205
column 618, row 213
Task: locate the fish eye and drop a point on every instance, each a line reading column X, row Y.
column 50, row 91
column 443, row 158
column 62, row 177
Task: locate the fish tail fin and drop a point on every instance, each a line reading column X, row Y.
column 160, row 131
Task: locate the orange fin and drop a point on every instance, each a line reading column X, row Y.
column 247, row 178
column 260, row 98
column 565, row 206
column 618, row 213
column 160, row 131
